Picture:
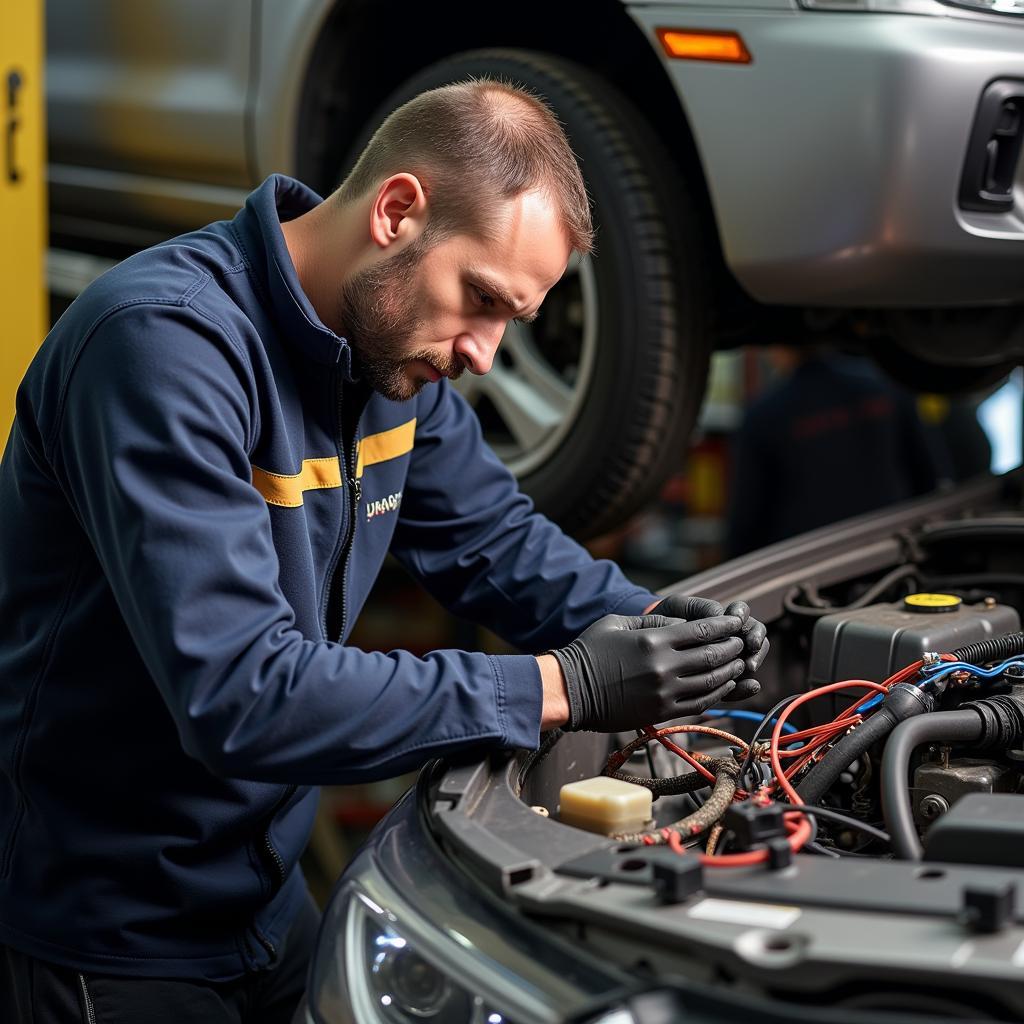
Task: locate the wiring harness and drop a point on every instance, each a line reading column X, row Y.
column 792, row 768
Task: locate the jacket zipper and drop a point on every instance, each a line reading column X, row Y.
column 90, row 1010
column 335, row 612
column 336, row 555
column 356, row 493
column 267, row 847
column 273, row 855
column 265, row 943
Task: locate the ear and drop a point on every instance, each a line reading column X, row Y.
column 399, row 210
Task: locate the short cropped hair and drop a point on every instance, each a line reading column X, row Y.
column 470, row 144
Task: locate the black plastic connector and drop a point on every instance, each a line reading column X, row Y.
column 780, row 854
column 676, row 878
column 754, row 826
column 988, row 909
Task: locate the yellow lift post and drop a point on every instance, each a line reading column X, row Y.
column 23, row 298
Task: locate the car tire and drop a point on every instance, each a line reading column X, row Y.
column 621, row 389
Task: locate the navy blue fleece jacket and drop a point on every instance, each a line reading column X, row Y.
column 187, row 538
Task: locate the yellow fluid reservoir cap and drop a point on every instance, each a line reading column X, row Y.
column 932, row 603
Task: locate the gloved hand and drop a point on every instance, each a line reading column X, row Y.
column 753, row 633
column 625, row 671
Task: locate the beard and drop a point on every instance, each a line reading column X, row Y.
column 379, row 327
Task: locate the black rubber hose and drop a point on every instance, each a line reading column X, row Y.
column 997, row 648
column 1002, row 721
column 964, row 726
column 903, row 701
column 870, row 596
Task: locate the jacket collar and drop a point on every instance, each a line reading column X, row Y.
column 258, row 224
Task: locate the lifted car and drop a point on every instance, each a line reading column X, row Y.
column 769, row 170
column 896, row 900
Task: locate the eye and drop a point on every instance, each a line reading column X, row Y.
column 482, row 297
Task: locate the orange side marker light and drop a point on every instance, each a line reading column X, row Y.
column 696, row 44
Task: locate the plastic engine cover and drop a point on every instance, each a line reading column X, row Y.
column 982, row 828
column 874, row 642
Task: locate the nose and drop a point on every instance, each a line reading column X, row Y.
column 476, row 349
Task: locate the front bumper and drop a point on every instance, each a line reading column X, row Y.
column 834, row 159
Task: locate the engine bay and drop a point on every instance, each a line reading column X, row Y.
column 854, row 841
column 896, row 722
column 911, row 705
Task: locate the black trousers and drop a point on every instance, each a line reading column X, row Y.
column 36, row 992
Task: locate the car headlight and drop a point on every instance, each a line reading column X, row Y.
column 1011, row 7
column 408, row 936
column 991, row 6
column 404, row 985
column 379, row 972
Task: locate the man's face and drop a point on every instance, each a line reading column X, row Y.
column 429, row 313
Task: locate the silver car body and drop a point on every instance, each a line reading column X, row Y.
column 832, row 160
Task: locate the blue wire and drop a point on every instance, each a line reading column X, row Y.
column 948, row 667
column 935, row 673
column 877, row 699
column 751, row 716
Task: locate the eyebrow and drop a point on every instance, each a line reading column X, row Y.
column 485, row 283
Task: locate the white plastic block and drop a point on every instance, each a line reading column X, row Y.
column 605, row 805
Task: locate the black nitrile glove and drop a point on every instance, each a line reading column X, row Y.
column 625, row 671
column 753, row 633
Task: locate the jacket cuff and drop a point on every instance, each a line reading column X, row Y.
column 520, row 699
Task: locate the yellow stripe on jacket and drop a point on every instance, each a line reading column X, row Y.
column 389, row 444
column 286, row 489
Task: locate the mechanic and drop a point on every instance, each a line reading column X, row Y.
column 214, row 450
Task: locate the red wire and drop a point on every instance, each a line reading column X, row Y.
column 799, row 828
column 649, row 730
column 797, row 825
column 773, row 746
column 823, row 735
column 815, row 731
